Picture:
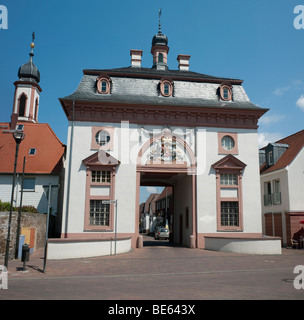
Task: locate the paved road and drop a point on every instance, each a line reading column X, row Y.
column 159, row 272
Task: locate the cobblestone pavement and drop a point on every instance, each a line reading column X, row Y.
column 159, row 272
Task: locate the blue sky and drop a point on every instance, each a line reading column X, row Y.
column 250, row 40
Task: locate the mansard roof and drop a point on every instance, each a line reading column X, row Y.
column 138, row 86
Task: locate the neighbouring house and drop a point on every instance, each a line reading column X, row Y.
column 149, row 213
column 142, row 126
column 282, row 185
column 42, row 150
column 165, row 208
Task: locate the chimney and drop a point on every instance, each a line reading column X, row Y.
column 183, row 62
column 14, row 120
column 136, row 58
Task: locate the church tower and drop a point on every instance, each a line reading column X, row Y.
column 27, row 91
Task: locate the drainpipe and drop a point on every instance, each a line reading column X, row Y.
column 196, row 226
column 69, row 173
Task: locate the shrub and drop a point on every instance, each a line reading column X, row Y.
column 6, row 206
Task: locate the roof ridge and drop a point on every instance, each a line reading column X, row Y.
column 290, row 136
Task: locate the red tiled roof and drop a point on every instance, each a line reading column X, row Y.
column 49, row 149
column 296, row 143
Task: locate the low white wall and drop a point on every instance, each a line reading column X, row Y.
column 267, row 245
column 73, row 249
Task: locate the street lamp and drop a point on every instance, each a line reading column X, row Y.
column 18, row 136
column 48, row 189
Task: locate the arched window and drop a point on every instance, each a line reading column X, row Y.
column 22, row 104
column 36, row 110
column 160, row 57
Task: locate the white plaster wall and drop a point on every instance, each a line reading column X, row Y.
column 27, row 89
column 34, row 198
column 126, row 148
column 296, row 182
column 245, row 246
column 206, row 181
column 125, row 180
column 75, row 250
column 282, row 175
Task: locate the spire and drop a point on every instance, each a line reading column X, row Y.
column 27, row 90
column 29, row 71
column 159, row 23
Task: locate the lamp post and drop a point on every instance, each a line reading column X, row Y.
column 48, row 189
column 18, row 136
column 19, row 213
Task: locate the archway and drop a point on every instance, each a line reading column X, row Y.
column 169, row 162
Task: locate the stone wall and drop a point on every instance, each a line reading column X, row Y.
column 28, row 220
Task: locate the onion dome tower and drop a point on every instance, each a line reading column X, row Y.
column 160, row 49
column 27, row 90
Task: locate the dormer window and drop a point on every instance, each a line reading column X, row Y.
column 270, row 157
column 103, row 84
column 166, row 87
column 225, row 92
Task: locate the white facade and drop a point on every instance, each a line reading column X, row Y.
column 291, row 181
column 126, row 150
column 34, row 197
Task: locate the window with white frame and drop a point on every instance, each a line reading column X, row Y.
column 29, row 184
column 276, row 192
column 270, row 157
column 267, row 193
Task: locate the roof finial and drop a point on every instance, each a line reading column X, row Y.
column 159, row 24
column 32, row 44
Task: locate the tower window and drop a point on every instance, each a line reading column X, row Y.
column 160, row 57
column 36, row 109
column 22, row 104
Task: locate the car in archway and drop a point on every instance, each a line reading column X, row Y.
column 162, row 233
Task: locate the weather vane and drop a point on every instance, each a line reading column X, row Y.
column 32, row 44
column 159, row 24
